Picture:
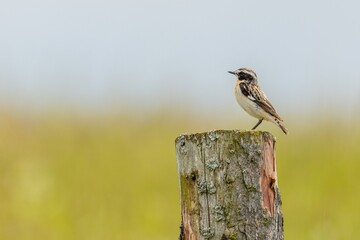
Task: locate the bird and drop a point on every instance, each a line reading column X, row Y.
column 253, row 100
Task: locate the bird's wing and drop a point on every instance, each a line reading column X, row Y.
column 254, row 93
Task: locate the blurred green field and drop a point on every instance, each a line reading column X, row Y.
column 115, row 177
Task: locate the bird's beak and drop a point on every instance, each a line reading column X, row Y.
column 231, row 72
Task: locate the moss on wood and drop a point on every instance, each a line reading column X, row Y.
column 222, row 175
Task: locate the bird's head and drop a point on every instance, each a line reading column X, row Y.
column 245, row 74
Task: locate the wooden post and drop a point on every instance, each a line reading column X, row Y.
column 229, row 186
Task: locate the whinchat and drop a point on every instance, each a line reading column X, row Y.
column 253, row 100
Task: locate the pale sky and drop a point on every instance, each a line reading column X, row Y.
column 151, row 54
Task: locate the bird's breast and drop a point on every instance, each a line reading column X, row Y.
column 249, row 106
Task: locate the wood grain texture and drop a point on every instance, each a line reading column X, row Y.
column 229, row 186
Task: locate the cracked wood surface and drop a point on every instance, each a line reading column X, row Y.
column 228, row 186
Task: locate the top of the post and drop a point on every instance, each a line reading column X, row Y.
column 216, row 134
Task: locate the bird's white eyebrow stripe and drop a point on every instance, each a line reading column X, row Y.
column 248, row 71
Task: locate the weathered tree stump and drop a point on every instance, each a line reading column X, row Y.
column 229, row 186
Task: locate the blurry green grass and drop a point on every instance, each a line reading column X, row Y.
column 116, row 178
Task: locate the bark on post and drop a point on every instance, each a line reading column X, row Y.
column 229, row 186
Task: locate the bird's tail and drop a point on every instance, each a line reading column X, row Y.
column 282, row 126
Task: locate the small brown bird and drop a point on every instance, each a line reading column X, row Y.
column 253, row 100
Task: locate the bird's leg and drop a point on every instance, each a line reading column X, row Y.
column 259, row 122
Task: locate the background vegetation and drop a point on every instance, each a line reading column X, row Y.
column 114, row 177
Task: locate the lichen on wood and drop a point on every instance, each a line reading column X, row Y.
column 228, row 186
